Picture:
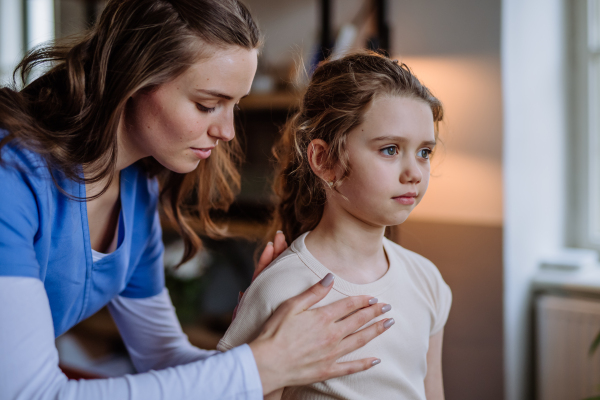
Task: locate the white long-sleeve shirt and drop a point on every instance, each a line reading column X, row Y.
column 169, row 366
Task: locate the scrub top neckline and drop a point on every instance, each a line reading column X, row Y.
column 120, row 230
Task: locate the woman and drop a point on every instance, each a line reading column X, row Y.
column 137, row 113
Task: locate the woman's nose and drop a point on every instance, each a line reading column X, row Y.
column 223, row 127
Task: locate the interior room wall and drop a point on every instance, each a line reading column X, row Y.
column 454, row 48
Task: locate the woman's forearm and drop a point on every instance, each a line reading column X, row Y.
column 29, row 363
column 152, row 333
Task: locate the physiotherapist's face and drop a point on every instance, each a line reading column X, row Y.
column 182, row 120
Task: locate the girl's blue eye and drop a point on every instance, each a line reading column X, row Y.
column 390, row 150
column 204, row 109
column 424, row 153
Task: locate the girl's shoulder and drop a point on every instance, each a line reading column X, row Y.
column 417, row 266
column 288, row 270
column 284, row 278
column 407, row 255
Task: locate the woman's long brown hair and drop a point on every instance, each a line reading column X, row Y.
column 337, row 97
column 70, row 114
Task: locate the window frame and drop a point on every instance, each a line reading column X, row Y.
column 583, row 198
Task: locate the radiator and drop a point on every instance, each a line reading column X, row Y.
column 565, row 328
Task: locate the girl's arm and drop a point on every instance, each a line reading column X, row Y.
column 434, row 383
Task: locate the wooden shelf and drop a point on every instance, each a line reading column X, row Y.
column 234, row 228
column 270, row 101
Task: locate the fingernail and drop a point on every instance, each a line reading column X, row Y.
column 386, row 308
column 270, row 244
column 375, row 362
column 327, row 280
column 373, row 301
column 278, row 232
column 389, row 323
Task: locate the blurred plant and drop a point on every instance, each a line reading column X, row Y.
column 187, row 283
column 186, row 295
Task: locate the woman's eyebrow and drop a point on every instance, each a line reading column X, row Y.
column 218, row 94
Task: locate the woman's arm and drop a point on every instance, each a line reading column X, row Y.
column 434, row 383
column 29, row 361
column 276, row 395
column 152, row 333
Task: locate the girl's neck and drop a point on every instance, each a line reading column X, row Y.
column 349, row 247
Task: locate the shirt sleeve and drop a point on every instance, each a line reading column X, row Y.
column 271, row 288
column 251, row 315
column 29, row 362
column 443, row 302
column 19, row 220
column 152, row 333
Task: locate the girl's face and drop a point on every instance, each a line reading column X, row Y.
column 389, row 161
column 182, row 120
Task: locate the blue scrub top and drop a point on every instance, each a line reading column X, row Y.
column 45, row 235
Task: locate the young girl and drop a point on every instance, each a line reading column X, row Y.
column 354, row 160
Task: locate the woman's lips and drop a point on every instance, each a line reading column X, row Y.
column 407, row 199
column 202, row 153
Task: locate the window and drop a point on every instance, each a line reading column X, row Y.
column 23, row 25
column 584, row 196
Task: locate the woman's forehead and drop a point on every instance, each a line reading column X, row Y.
column 228, row 72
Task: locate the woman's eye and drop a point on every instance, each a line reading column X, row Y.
column 424, row 153
column 205, row 109
column 390, row 150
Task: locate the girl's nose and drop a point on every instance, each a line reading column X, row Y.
column 411, row 173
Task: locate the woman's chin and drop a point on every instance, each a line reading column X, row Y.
column 180, row 167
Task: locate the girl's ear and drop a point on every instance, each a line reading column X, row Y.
column 317, row 158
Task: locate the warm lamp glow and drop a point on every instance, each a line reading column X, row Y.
column 466, row 181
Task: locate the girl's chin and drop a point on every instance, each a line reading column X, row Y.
column 399, row 219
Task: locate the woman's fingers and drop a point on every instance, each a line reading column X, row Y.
column 265, row 259
column 271, row 252
column 353, row 322
column 352, row 367
column 343, row 309
column 298, row 346
column 313, row 295
column 279, row 244
column 359, row 339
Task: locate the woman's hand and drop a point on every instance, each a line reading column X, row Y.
column 298, row 346
column 271, row 252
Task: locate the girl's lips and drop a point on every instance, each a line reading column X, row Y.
column 407, row 199
column 202, row 153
